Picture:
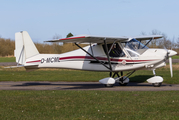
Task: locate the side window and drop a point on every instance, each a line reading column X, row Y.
column 114, row 50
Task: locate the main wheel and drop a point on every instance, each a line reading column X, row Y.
column 124, row 84
column 156, row 84
column 108, row 85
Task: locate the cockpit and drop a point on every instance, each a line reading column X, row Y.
column 133, row 47
column 115, row 50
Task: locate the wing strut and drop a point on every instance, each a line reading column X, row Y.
column 95, row 58
column 20, row 55
column 107, row 53
column 91, row 49
column 147, row 43
column 111, row 47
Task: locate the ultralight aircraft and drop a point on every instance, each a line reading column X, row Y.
column 110, row 54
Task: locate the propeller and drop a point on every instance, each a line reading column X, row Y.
column 171, row 69
column 171, row 53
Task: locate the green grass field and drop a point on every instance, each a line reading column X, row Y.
column 175, row 57
column 7, row 59
column 85, row 105
column 19, row 74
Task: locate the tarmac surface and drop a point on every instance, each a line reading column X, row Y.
column 8, row 63
column 84, row 86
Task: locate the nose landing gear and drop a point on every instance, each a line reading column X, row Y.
column 156, row 80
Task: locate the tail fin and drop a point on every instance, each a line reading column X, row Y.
column 24, row 47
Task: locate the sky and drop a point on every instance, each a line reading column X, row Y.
column 44, row 19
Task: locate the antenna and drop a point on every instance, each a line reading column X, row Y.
column 89, row 31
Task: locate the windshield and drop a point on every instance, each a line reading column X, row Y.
column 136, row 46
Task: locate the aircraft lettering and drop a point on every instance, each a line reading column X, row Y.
column 50, row 60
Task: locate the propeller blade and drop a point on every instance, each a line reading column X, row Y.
column 171, row 70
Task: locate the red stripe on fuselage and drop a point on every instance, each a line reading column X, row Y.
column 101, row 58
column 34, row 61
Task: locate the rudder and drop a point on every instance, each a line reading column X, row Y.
column 24, row 47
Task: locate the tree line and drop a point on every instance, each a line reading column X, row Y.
column 7, row 46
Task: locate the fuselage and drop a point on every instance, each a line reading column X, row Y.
column 80, row 60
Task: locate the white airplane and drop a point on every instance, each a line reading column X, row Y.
column 109, row 54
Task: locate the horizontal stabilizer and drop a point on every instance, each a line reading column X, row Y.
column 14, row 66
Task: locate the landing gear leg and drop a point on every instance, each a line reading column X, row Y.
column 157, row 84
column 154, row 72
column 121, row 80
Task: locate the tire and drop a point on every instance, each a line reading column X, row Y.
column 156, row 84
column 108, row 85
column 126, row 81
column 123, row 84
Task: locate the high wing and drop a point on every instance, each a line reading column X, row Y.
column 100, row 39
column 89, row 39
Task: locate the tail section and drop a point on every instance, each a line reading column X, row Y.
column 24, row 47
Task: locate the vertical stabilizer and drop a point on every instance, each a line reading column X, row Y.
column 24, row 47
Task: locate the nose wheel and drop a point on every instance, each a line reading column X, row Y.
column 156, row 80
column 157, row 84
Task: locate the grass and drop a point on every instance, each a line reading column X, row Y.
column 7, row 59
column 175, row 57
column 19, row 74
column 83, row 105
